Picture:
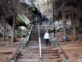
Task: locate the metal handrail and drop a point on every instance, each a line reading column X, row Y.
column 14, row 54
column 29, row 33
column 28, row 37
column 64, row 53
column 40, row 48
column 40, row 51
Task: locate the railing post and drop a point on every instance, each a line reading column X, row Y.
column 65, row 55
column 56, row 43
column 28, row 37
column 14, row 60
column 66, row 60
column 40, row 48
column 22, row 43
column 39, row 41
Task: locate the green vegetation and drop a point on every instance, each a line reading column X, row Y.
column 29, row 26
column 19, row 19
column 18, row 32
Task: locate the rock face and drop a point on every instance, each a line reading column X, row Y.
column 41, row 5
column 7, row 30
column 29, row 2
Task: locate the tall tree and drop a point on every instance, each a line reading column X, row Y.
column 67, row 8
column 74, row 28
column 16, row 7
column 64, row 27
column 2, row 19
column 3, row 16
column 13, row 31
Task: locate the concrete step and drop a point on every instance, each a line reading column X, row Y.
column 43, row 49
column 28, row 60
column 49, row 50
column 30, row 54
column 36, row 51
column 33, row 47
column 50, row 54
column 37, row 56
column 31, row 50
column 51, row 57
column 38, row 60
column 29, row 57
column 33, row 41
column 51, row 60
column 43, row 52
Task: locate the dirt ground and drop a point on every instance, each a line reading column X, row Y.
column 74, row 51
column 72, row 48
column 3, row 58
column 5, row 52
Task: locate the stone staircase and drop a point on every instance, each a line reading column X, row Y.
column 50, row 55
column 34, row 34
column 31, row 53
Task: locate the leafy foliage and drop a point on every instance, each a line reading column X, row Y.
column 19, row 32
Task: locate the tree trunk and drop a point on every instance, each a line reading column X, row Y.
column 3, row 29
column 64, row 28
column 53, row 17
column 74, row 29
column 13, row 31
